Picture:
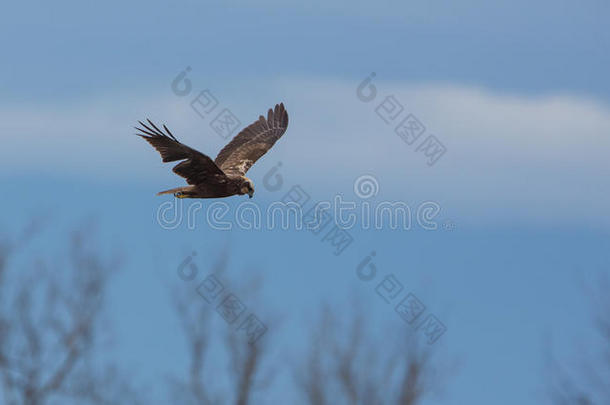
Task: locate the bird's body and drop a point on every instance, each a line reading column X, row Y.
column 224, row 176
column 226, row 188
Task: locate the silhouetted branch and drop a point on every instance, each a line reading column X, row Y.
column 49, row 325
column 345, row 366
column 587, row 383
column 244, row 357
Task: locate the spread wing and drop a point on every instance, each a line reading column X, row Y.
column 196, row 167
column 253, row 142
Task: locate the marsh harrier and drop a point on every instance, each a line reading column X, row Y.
column 226, row 175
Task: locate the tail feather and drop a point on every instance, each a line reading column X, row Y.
column 171, row 191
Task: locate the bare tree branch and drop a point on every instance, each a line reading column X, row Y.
column 49, row 324
column 587, row 382
column 245, row 358
column 344, row 366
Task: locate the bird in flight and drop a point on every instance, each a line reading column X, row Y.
column 226, row 175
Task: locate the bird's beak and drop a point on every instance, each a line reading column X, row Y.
column 250, row 194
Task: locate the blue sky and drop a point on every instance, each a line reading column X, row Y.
column 517, row 91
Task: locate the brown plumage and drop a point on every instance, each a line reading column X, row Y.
column 224, row 176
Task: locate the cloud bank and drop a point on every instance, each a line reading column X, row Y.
column 529, row 158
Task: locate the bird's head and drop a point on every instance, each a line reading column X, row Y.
column 247, row 187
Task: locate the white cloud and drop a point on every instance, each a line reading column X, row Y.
column 510, row 157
